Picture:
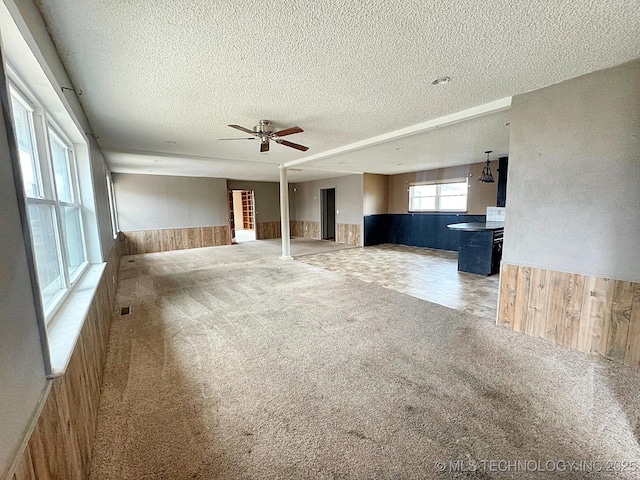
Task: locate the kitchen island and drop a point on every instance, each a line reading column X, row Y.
column 480, row 247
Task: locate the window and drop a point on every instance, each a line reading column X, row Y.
column 112, row 206
column 54, row 209
column 439, row 197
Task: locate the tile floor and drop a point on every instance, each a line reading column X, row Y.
column 424, row 273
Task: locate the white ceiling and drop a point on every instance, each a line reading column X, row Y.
column 159, row 71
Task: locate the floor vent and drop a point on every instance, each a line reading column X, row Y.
column 131, row 261
column 125, row 311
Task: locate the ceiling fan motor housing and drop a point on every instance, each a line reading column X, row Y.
column 264, row 128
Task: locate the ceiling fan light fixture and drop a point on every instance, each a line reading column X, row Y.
column 486, row 176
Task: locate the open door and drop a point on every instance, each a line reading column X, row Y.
column 232, row 228
column 244, row 216
column 328, row 202
column 248, row 213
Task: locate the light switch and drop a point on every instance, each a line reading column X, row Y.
column 337, row 212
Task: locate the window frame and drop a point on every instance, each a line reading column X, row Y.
column 76, row 203
column 113, row 209
column 42, row 128
column 26, row 104
column 438, row 196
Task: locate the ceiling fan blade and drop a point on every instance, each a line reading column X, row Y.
column 264, row 147
column 238, row 138
column 288, row 131
column 245, row 130
column 293, row 145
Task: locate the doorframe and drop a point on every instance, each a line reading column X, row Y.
column 253, row 208
column 242, row 217
column 232, row 229
column 335, row 217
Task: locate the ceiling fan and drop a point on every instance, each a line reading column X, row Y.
column 265, row 132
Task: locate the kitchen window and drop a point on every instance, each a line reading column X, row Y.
column 448, row 196
column 50, row 181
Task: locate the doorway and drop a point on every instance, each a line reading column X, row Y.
column 328, row 207
column 244, row 215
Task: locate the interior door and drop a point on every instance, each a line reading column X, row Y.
column 328, row 203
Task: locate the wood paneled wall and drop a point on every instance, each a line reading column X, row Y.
column 61, row 443
column 589, row 314
column 348, row 233
column 149, row 241
column 305, row 229
column 267, row 230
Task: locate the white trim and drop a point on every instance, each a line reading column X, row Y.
column 468, row 114
column 439, row 182
column 66, row 325
column 29, row 104
column 45, row 130
column 438, row 196
column 113, row 211
column 16, row 91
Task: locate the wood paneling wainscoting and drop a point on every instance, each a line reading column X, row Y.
column 305, row 229
column 348, row 233
column 61, row 443
column 164, row 240
column 267, row 230
column 589, row 314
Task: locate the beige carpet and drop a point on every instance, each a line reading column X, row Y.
column 237, row 365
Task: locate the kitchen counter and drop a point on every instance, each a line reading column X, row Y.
column 476, row 226
column 480, row 246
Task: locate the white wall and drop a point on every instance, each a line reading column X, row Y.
column 574, row 176
column 151, row 202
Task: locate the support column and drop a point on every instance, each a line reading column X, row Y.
column 284, row 214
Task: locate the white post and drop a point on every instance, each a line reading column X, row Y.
column 284, row 214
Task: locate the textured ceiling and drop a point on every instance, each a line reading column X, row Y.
column 160, row 71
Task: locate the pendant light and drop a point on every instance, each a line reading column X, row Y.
column 485, row 176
